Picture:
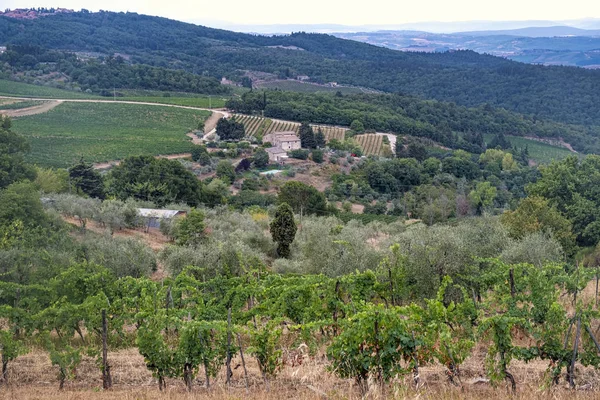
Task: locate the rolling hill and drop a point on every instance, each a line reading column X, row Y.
column 570, row 95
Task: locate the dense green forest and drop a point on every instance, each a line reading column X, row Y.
column 444, row 122
column 562, row 94
column 34, row 64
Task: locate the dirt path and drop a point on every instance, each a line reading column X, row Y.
column 110, row 164
column 211, row 123
column 23, row 112
column 224, row 114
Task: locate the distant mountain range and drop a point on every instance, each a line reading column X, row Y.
column 528, row 28
column 556, row 45
column 570, row 95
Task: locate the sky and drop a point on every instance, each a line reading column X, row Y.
column 345, row 12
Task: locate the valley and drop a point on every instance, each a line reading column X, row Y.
column 189, row 212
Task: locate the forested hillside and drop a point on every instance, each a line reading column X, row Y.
column 444, row 122
column 563, row 94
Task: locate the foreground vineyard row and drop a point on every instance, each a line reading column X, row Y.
column 194, row 324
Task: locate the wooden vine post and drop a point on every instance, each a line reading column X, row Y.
column 106, row 377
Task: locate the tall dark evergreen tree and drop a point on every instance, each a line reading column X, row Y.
column 283, row 229
column 307, row 136
column 85, row 179
column 500, row 141
column 320, row 138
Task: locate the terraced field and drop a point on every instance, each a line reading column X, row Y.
column 101, row 132
column 370, row 143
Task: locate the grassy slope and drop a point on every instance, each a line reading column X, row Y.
column 303, row 87
column 12, row 88
column 104, row 132
column 542, row 153
column 19, row 89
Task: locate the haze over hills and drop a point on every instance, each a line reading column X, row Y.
column 426, row 26
column 465, row 77
column 547, row 46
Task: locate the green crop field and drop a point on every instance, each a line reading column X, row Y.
column 542, row 153
column 304, row 87
column 19, row 89
column 201, row 102
column 106, row 131
column 6, row 104
column 12, row 88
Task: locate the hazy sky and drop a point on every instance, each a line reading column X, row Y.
column 347, row 12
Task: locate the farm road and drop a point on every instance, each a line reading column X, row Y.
column 211, row 122
column 55, row 102
column 22, row 112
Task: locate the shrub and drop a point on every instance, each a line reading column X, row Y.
column 300, row 154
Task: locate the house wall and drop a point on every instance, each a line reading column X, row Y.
column 291, row 145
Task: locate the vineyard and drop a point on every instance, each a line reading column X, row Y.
column 103, row 132
column 542, row 153
column 331, row 132
column 196, row 329
column 370, row 143
column 258, row 126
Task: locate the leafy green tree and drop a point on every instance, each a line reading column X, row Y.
column 21, row 202
column 417, row 151
column 229, row 129
column 12, row 146
column 226, row 172
column 482, row 196
column 85, row 179
column 246, row 82
column 283, row 229
column 534, row 214
column 160, row 181
column 432, row 166
column 190, row 230
column 317, row 156
column 51, row 180
column 261, row 158
column 300, row 154
column 303, row 198
column 500, row 142
column 198, row 152
column 357, row 126
column 307, row 136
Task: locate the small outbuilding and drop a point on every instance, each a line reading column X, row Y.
column 152, row 217
column 276, row 154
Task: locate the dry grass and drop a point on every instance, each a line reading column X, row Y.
column 33, row 377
